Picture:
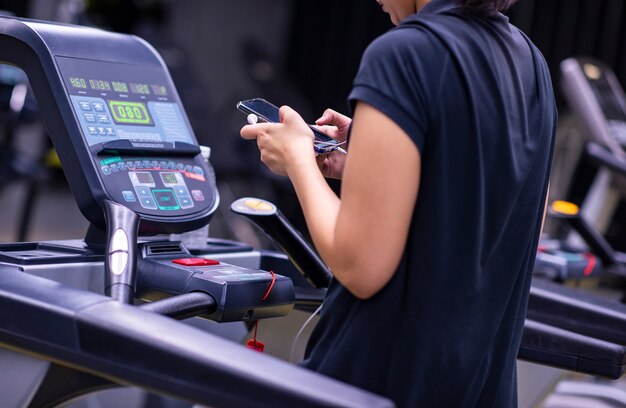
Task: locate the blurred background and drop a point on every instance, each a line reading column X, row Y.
column 301, row 53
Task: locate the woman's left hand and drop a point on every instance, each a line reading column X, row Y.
column 285, row 145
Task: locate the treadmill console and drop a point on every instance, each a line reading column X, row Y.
column 143, row 148
column 117, row 123
column 596, row 96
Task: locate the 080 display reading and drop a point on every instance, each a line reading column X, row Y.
column 134, row 113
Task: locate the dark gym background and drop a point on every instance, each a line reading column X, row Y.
column 302, row 53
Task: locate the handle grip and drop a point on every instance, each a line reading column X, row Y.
column 266, row 216
column 599, row 245
column 120, row 261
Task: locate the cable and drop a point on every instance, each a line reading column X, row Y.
column 297, row 338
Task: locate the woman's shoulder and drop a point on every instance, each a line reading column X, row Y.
column 402, row 42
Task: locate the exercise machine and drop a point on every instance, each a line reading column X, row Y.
column 137, row 172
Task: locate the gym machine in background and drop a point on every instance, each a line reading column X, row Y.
column 136, row 171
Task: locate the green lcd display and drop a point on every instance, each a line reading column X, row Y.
column 134, row 113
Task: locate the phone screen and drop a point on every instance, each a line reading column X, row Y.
column 265, row 110
column 268, row 112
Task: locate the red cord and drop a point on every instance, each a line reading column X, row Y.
column 271, row 286
column 254, row 344
column 592, row 264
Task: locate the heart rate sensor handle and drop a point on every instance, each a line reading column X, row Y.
column 120, row 261
column 266, row 216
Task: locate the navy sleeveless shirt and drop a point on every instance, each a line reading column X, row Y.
column 475, row 96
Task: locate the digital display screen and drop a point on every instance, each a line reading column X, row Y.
column 142, row 89
column 118, row 86
column 79, row 83
column 144, row 177
column 99, row 85
column 134, row 113
column 116, row 101
column 169, row 178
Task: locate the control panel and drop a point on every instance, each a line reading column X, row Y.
column 145, row 154
column 595, row 94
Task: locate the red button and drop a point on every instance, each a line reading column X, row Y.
column 196, row 262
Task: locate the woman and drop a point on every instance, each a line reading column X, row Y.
column 433, row 240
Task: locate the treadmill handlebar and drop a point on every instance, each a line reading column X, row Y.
column 120, row 261
column 606, row 158
column 268, row 218
column 128, row 345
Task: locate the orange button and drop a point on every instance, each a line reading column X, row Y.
column 196, row 262
column 565, row 207
column 258, row 205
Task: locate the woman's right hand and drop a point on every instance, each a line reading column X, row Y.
column 335, row 125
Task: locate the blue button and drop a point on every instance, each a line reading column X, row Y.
column 185, row 201
column 147, row 164
column 148, row 203
column 121, row 165
column 181, row 191
column 110, row 131
column 89, row 117
column 104, row 119
column 188, row 168
column 86, row 106
column 92, row 130
column 198, row 170
column 143, row 191
column 98, row 106
column 115, row 168
column 101, row 131
column 180, row 166
column 129, row 196
column 106, row 170
column 139, row 164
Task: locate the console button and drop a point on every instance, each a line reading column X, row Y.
column 106, row 170
column 185, row 201
column 196, row 262
column 104, row 119
column 181, row 191
column 98, row 107
column 86, row 106
column 89, row 117
column 129, row 196
column 143, row 191
column 147, row 202
column 166, row 200
column 197, row 195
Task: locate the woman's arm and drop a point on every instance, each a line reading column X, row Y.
column 362, row 236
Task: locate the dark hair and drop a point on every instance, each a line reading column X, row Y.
column 486, row 5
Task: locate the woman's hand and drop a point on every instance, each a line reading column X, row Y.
column 335, row 125
column 285, row 145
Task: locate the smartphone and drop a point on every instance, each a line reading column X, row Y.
column 268, row 112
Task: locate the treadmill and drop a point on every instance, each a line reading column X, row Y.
column 68, row 320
